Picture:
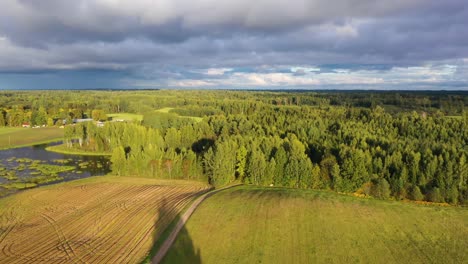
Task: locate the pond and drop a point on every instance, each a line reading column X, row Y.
column 28, row 167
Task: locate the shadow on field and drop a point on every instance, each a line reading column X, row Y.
column 181, row 252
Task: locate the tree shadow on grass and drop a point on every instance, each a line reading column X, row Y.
column 182, row 250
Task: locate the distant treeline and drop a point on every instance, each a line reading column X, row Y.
column 401, row 145
column 50, row 107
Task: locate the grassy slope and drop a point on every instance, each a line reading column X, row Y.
column 8, row 130
column 126, row 116
column 266, row 225
column 168, row 109
column 93, row 220
column 19, row 137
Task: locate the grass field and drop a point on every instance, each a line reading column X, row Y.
column 126, row 116
column 165, row 109
column 94, row 220
column 272, row 225
column 62, row 148
column 168, row 110
column 18, row 137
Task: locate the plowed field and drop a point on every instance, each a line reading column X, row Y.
column 95, row 220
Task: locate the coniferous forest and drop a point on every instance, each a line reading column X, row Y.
column 388, row 145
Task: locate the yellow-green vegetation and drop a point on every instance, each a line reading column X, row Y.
column 18, row 185
column 273, row 225
column 62, row 148
column 165, row 109
column 126, row 116
column 194, row 118
column 8, row 130
column 38, row 173
column 49, row 169
column 165, row 118
column 169, row 110
column 455, row 117
column 93, row 220
column 19, row 137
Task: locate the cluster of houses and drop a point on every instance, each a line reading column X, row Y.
column 82, row 120
column 74, row 121
column 64, row 122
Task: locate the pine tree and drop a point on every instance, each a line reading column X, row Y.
column 281, row 160
column 2, row 118
column 241, row 160
column 434, row 195
column 381, row 189
column 118, row 161
column 256, row 166
column 415, row 194
column 316, row 179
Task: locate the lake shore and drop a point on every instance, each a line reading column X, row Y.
column 72, row 151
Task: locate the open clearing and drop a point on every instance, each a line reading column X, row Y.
column 167, row 110
column 126, row 116
column 94, row 220
column 17, row 137
column 272, row 225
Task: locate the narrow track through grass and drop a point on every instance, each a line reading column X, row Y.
column 273, row 225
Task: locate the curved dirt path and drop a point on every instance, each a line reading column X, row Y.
column 183, row 219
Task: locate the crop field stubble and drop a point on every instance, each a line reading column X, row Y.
column 95, row 220
column 276, row 225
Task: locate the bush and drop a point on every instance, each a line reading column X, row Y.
column 416, row 194
column 381, row 189
column 453, row 195
column 434, row 196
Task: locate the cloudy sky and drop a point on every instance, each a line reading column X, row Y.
column 266, row 44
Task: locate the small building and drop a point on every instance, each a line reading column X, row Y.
column 81, row 120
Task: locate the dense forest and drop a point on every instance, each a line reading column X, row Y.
column 399, row 145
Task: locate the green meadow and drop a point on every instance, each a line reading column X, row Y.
column 277, row 225
column 126, row 116
column 19, row 137
column 169, row 110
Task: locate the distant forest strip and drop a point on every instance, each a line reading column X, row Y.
column 400, row 145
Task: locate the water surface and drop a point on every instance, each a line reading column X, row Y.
column 20, row 162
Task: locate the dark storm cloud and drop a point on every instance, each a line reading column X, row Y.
column 177, row 39
column 30, row 21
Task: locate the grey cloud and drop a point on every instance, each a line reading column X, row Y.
column 57, row 34
column 64, row 21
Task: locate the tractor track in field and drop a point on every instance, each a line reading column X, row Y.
column 162, row 251
column 64, row 242
column 102, row 223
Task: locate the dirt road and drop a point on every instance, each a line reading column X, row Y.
column 172, row 237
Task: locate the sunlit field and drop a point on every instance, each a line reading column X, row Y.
column 17, row 137
column 95, row 220
column 274, row 225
